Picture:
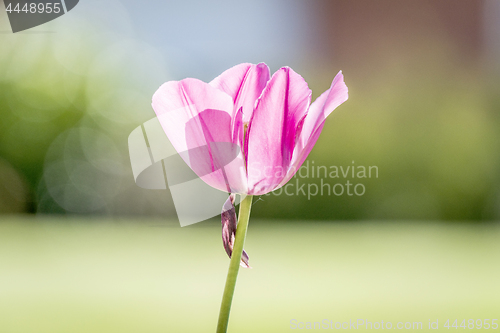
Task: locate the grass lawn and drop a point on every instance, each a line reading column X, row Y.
column 61, row 275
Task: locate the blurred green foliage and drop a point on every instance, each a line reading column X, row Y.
column 435, row 138
column 68, row 102
column 431, row 129
column 37, row 104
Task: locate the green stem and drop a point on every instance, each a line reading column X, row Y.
column 234, row 265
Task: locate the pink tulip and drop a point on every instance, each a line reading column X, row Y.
column 269, row 120
column 245, row 132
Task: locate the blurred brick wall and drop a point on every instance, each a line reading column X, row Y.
column 362, row 32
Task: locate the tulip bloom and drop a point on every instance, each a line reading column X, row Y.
column 268, row 120
column 245, row 132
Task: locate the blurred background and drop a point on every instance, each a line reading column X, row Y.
column 424, row 107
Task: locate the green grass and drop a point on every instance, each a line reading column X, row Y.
column 88, row 275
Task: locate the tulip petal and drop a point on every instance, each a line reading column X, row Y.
column 229, row 225
column 197, row 119
column 272, row 131
column 322, row 107
column 219, row 162
column 244, row 83
column 314, row 121
column 238, row 128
